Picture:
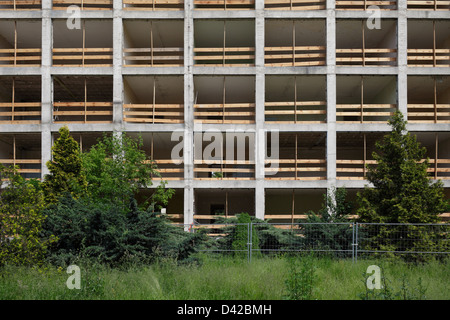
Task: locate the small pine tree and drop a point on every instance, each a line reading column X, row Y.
column 403, row 191
column 66, row 172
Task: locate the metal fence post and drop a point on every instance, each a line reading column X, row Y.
column 356, row 242
column 353, row 242
column 249, row 243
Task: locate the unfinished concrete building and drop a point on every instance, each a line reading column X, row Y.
column 264, row 104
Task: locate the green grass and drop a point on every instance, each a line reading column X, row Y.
column 221, row 279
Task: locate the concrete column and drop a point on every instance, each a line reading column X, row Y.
column 331, row 96
column 117, row 66
column 402, row 59
column 260, row 145
column 46, row 86
column 188, row 148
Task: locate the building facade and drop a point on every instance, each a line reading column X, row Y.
column 256, row 106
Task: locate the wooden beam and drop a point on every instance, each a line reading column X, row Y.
column 436, row 137
column 434, row 43
column 362, row 98
column 365, row 156
column 15, row 42
column 13, row 98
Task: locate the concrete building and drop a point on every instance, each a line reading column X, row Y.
column 306, row 85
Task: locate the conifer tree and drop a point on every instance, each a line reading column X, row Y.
column 66, row 171
column 403, row 199
column 402, row 189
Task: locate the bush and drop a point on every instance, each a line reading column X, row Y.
column 103, row 232
column 329, row 230
column 301, row 278
column 21, row 219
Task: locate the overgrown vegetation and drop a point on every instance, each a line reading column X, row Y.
column 21, row 219
column 226, row 279
column 86, row 208
column 301, row 278
column 85, row 212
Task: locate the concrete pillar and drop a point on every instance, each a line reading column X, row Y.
column 260, row 144
column 402, row 59
column 188, row 148
column 331, row 96
column 46, row 86
column 117, row 66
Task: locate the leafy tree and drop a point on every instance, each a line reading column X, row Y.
column 21, row 219
column 66, row 172
column 402, row 192
column 117, row 167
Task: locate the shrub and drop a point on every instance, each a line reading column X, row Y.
column 329, row 229
column 21, row 219
column 301, row 278
column 101, row 231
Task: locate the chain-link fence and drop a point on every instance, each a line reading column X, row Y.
column 344, row 240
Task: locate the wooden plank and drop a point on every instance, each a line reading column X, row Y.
column 219, row 113
column 81, row 50
column 146, row 120
column 156, row 106
column 20, row 113
column 81, row 104
column 20, row 104
column 84, row 2
column 229, row 57
column 21, row 161
column 155, row 58
column 295, row 48
column 158, row 50
column 208, row 162
column 291, row 1
column 298, row 103
column 151, row 2
column 81, row 113
column 298, row 112
column 20, row 2
column 226, row 105
column 224, row 2
column 160, row 161
column 301, row 161
column 298, row 178
column 285, row 216
column 229, row 49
